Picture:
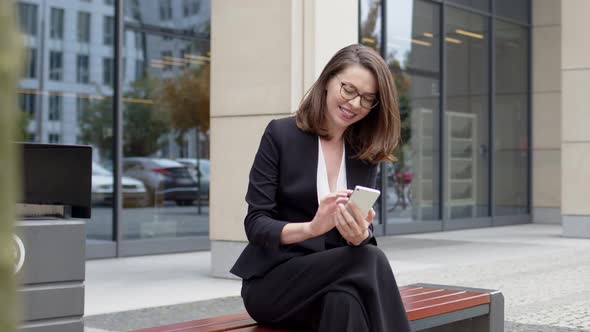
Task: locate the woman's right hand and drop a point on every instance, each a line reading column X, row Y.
column 325, row 217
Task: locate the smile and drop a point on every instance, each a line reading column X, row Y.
column 346, row 113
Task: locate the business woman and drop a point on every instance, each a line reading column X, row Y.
column 309, row 263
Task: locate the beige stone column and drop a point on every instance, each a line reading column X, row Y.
column 546, row 110
column 264, row 56
column 575, row 136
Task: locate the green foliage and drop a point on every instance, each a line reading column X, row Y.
column 96, row 126
column 143, row 122
column 22, row 123
column 186, row 99
column 10, row 62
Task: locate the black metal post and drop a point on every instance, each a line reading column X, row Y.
column 529, row 113
column 198, row 159
column 118, row 123
column 441, row 116
column 492, row 111
column 383, row 166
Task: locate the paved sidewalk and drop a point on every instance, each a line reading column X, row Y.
column 545, row 279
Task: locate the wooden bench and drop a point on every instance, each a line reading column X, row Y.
column 429, row 308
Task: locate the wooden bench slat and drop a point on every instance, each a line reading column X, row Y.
column 439, row 301
column 415, row 291
column 403, row 288
column 427, row 296
column 420, row 302
column 239, row 318
column 225, row 326
column 444, row 305
column 261, row 329
column 426, row 293
column 221, row 326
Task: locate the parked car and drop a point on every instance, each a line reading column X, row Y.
column 204, row 165
column 134, row 192
column 164, row 179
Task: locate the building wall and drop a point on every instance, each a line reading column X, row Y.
column 546, row 110
column 265, row 54
column 575, row 136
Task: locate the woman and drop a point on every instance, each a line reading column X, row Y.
column 309, row 263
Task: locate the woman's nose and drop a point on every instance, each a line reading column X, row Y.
column 355, row 102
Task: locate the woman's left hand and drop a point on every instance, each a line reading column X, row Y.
column 354, row 228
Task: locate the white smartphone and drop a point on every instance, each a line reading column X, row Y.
column 364, row 198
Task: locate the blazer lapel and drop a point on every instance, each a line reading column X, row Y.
column 312, row 166
column 356, row 170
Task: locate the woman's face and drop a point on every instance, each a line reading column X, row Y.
column 343, row 112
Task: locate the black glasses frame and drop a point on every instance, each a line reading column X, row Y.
column 356, row 94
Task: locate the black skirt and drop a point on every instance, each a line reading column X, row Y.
column 340, row 289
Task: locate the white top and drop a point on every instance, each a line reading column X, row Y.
column 322, row 176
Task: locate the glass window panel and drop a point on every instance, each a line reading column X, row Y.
column 466, row 151
column 83, row 69
column 28, row 102
column 195, row 7
column 413, row 57
column 62, row 106
column 511, row 113
column 54, row 138
column 108, row 30
column 165, row 9
column 84, row 27
column 94, row 116
column 166, row 122
column 83, row 105
column 108, row 71
column 513, row 9
column 55, row 107
column 371, row 23
column 475, row 4
column 56, row 29
column 139, row 69
column 186, row 8
column 55, row 65
column 28, row 18
column 75, row 112
column 31, row 63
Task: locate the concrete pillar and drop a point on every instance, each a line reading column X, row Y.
column 546, row 110
column 575, row 137
column 265, row 55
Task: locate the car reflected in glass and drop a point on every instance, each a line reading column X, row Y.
column 164, row 179
column 134, row 191
column 193, row 167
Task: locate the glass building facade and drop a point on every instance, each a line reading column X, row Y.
column 462, row 72
column 132, row 80
column 85, row 80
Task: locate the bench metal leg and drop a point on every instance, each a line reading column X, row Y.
column 492, row 321
column 496, row 316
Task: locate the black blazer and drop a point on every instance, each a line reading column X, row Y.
column 283, row 189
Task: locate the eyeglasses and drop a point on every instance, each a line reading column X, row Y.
column 349, row 92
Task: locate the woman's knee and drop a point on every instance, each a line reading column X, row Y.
column 341, row 301
column 254, row 305
column 338, row 297
column 342, row 311
column 371, row 252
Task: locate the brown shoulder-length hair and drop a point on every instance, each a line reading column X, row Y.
column 374, row 137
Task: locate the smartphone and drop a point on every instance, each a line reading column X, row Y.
column 364, row 198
